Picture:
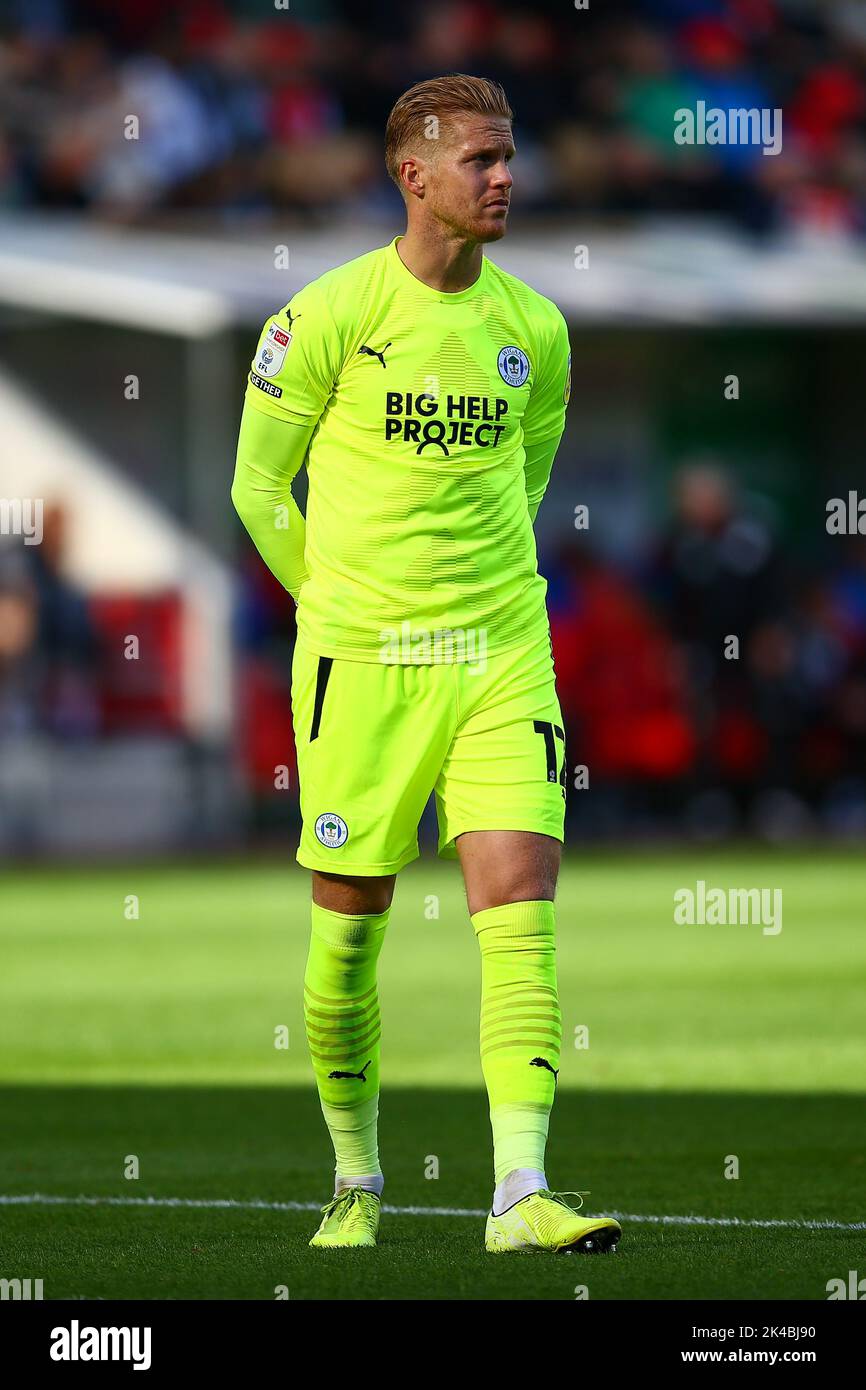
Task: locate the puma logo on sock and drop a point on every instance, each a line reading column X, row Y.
column 357, row 1075
column 543, row 1062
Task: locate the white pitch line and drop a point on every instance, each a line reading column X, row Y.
column 230, row 1203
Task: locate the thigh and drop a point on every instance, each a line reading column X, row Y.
column 508, row 866
column 505, row 770
column 370, row 738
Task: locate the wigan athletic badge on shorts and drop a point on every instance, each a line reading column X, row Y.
column 513, row 365
column 331, row 830
column 272, row 350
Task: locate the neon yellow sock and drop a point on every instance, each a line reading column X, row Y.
column 521, row 1029
column 341, row 1014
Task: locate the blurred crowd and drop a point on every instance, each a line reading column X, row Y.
column 678, row 727
column 727, row 676
column 249, row 109
column 717, row 687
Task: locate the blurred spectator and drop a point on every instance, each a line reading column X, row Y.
column 48, row 649
column 621, row 684
column 19, row 665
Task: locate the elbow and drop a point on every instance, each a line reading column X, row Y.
column 240, row 499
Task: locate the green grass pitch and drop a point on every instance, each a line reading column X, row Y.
column 155, row 1037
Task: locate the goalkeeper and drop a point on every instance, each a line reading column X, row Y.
column 425, row 389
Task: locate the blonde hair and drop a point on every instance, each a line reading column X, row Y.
column 440, row 97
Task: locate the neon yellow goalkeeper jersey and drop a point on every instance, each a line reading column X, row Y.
column 419, row 538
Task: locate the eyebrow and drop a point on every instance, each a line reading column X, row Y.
column 492, row 148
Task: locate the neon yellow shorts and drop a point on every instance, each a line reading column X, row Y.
column 373, row 741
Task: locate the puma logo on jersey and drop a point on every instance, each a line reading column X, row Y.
column 543, row 1062
column 358, row 1075
column 291, row 317
column 371, row 352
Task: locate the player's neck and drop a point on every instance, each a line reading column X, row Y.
column 443, row 262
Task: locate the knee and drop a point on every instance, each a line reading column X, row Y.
column 352, row 896
column 520, row 891
column 344, row 948
column 518, row 883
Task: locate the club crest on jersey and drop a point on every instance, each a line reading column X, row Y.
column 272, row 350
column 331, row 830
column 513, row 366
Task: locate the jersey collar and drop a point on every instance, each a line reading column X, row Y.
column 404, row 273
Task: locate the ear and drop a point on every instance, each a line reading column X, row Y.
column 413, row 175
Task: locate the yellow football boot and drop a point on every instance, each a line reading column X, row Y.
column 350, row 1219
column 546, row 1221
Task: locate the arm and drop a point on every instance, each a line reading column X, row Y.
column 292, row 376
column 537, row 468
column 544, row 418
column 270, row 454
